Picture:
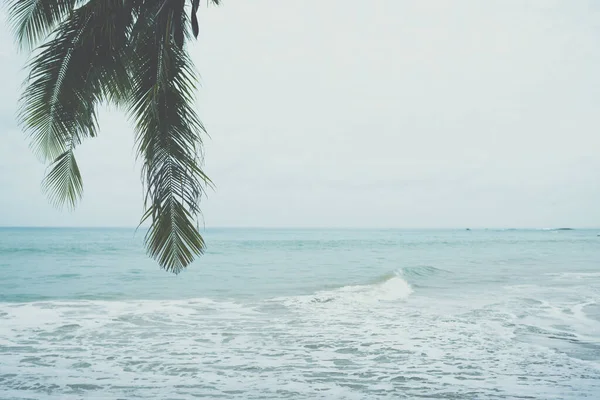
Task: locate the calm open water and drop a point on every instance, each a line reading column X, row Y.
column 302, row 314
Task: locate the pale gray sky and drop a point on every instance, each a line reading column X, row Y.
column 382, row 113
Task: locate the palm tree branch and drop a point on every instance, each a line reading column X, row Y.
column 132, row 53
column 81, row 66
column 57, row 102
column 63, row 184
column 33, row 20
column 168, row 137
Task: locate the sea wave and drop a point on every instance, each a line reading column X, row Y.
column 421, row 271
column 576, row 275
column 390, row 288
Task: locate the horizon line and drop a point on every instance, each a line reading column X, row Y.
column 305, row 227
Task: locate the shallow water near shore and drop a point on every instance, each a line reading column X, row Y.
column 302, row 314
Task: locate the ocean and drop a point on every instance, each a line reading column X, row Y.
column 302, row 314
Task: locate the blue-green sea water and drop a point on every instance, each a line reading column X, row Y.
column 302, row 314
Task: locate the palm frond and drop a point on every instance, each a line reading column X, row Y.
column 58, row 102
column 82, row 65
column 131, row 53
column 168, row 136
column 110, row 24
column 63, row 184
column 33, row 20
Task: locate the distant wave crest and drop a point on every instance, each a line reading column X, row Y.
column 418, row 272
column 390, row 288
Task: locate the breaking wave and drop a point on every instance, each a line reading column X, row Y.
column 390, row 288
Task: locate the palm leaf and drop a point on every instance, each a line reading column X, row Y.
column 131, row 53
column 63, row 184
column 33, row 20
column 73, row 72
column 168, row 136
column 58, row 106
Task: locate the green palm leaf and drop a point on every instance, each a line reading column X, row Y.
column 33, row 20
column 71, row 74
column 59, row 109
column 131, row 53
column 168, row 135
column 63, row 183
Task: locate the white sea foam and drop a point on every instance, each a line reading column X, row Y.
column 392, row 288
column 575, row 275
column 363, row 341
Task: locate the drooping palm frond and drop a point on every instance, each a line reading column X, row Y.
column 33, row 20
column 168, row 135
column 59, row 109
column 63, row 183
column 69, row 76
column 131, row 53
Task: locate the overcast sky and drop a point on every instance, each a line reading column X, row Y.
column 348, row 113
